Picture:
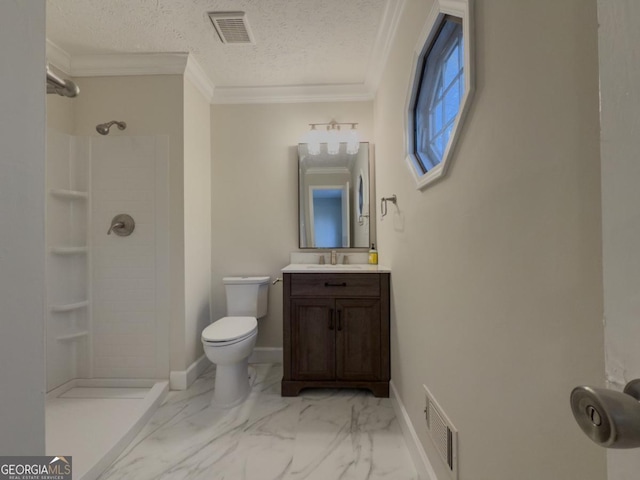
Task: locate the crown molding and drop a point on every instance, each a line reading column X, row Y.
column 58, row 58
column 185, row 64
column 293, row 94
column 327, row 93
column 109, row 65
column 382, row 45
column 199, row 78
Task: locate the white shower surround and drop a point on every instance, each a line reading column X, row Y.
column 107, row 295
column 130, row 275
column 68, row 289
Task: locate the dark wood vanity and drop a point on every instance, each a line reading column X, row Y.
column 336, row 331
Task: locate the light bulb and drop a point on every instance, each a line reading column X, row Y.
column 353, row 142
column 313, row 141
column 333, row 142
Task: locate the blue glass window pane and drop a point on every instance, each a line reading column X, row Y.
column 436, row 117
column 438, row 97
column 451, row 103
column 438, row 146
column 452, row 66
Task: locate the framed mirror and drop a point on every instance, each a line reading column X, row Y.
column 334, row 210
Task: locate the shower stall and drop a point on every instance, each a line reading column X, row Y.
column 105, row 292
column 107, row 325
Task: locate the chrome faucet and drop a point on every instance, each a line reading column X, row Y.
column 334, row 257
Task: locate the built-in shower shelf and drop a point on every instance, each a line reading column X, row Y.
column 70, row 194
column 72, row 337
column 69, row 307
column 69, row 250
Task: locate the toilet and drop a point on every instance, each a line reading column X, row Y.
column 229, row 341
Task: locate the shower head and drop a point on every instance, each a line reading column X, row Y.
column 103, row 128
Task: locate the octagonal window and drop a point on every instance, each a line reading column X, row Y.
column 440, row 92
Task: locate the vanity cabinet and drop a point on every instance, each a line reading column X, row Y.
column 336, row 331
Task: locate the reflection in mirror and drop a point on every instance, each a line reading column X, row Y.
column 334, row 192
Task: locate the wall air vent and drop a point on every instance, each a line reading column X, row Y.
column 442, row 433
column 232, row 27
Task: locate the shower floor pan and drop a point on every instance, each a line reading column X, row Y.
column 93, row 420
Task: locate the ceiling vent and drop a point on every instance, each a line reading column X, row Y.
column 232, row 27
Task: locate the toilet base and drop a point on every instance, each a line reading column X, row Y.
column 232, row 384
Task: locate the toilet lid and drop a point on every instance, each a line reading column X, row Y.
column 229, row 328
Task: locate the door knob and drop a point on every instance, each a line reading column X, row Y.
column 609, row 418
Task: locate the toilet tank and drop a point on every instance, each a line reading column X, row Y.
column 246, row 296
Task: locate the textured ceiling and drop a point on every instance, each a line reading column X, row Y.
column 298, row 42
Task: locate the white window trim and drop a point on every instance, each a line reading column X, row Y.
column 457, row 8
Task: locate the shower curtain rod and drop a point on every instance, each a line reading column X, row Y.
column 65, row 88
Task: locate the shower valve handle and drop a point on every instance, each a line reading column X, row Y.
column 122, row 225
column 116, row 226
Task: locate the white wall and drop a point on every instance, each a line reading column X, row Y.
column 254, row 196
column 197, row 219
column 496, row 271
column 22, row 217
column 619, row 40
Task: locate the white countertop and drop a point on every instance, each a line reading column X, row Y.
column 340, row 268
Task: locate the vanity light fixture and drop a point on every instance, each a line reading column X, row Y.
column 333, row 136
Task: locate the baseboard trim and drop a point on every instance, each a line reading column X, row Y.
column 420, row 460
column 182, row 379
column 266, row 355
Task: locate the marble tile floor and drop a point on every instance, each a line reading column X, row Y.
column 319, row 435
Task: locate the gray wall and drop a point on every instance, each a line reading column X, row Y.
column 496, row 271
column 22, row 220
column 619, row 41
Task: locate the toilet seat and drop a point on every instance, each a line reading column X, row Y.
column 229, row 330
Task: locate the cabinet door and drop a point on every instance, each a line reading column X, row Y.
column 313, row 339
column 358, row 340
